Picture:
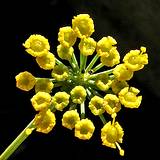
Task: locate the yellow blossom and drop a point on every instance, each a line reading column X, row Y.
column 122, row 73
column 41, row 100
column 117, row 86
column 105, row 45
column 60, row 73
column 60, row 100
column 66, row 36
column 44, row 85
column 78, row 94
column 84, row 129
column 25, row 81
column 70, row 118
column 103, row 82
column 128, row 97
column 96, row 105
column 110, row 58
column 37, row 45
column 44, row 121
column 112, row 135
column 47, row 61
column 65, row 52
column 87, row 46
column 83, row 25
column 136, row 59
column 111, row 104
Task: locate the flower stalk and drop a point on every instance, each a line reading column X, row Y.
column 82, row 110
column 83, row 61
column 18, row 141
column 99, row 66
column 91, row 64
column 74, row 63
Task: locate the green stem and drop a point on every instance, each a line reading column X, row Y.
column 103, row 119
column 73, row 106
column 91, row 82
column 89, row 93
column 99, row 66
column 104, row 72
column 51, row 79
column 95, row 58
column 73, row 62
column 83, row 61
column 111, row 77
column 94, row 92
column 58, row 84
column 59, row 62
column 17, row 142
column 82, row 110
column 52, row 108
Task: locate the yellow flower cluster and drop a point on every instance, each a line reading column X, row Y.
column 38, row 46
column 71, row 85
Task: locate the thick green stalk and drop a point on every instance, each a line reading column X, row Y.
column 18, row 141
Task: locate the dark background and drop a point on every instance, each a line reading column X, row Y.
column 132, row 23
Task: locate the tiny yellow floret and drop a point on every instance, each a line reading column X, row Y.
column 29, row 131
column 60, row 73
column 25, row 81
column 65, row 52
column 111, row 104
column 78, row 94
column 37, row 45
column 117, row 86
column 70, row 118
column 44, row 121
column 128, row 97
column 60, row 100
column 110, row 58
column 47, row 61
column 67, row 36
column 104, row 45
column 84, row 129
column 96, row 105
column 136, row 59
column 112, row 135
column 41, row 100
column 87, row 46
column 83, row 25
column 103, row 82
column 44, row 85
column 122, row 73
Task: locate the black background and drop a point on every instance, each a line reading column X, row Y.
column 132, row 23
